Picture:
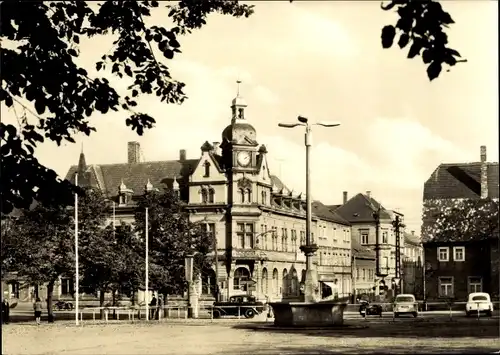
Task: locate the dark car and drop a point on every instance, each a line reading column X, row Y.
column 62, row 305
column 247, row 306
column 367, row 309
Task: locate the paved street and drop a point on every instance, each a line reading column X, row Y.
column 226, row 336
column 25, row 316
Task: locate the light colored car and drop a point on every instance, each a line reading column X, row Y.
column 479, row 301
column 405, row 304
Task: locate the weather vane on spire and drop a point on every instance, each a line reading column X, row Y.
column 238, row 90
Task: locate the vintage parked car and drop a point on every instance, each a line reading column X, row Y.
column 367, row 309
column 479, row 302
column 238, row 305
column 62, row 306
column 405, row 304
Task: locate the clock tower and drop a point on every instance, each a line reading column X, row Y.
column 239, row 144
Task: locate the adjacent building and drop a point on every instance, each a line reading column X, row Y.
column 258, row 222
column 363, row 270
column 359, row 211
column 412, row 265
column 412, row 250
column 456, row 268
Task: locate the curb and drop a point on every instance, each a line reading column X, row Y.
column 334, row 328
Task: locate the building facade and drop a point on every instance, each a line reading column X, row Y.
column 363, row 271
column 412, row 258
column 413, row 250
column 454, row 268
column 359, row 211
column 258, row 223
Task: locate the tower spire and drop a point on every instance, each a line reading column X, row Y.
column 238, row 82
column 238, row 104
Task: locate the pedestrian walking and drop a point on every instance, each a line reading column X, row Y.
column 37, row 306
column 160, row 307
column 152, row 306
column 269, row 308
column 5, row 311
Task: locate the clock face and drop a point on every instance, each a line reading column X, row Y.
column 244, row 158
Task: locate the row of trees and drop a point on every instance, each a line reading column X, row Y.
column 39, row 245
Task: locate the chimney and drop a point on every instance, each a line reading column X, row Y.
column 134, row 151
column 216, row 146
column 484, row 173
column 368, row 194
column 182, row 154
column 344, row 200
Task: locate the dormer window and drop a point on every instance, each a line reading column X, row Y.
column 123, row 200
column 207, row 169
column 124, row 194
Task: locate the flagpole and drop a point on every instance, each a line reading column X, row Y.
column 114, row 223
column 147, row 267
column 77, row 283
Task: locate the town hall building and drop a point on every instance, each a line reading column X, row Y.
column 259, row 224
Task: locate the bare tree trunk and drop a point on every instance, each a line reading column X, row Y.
column 101, row 301
column 50, row 294
column 113, row 293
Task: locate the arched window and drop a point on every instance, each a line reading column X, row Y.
column 295, row 282
column 264, row 284
column 204, row 196
column 264, row 197
column 249, row 195
column 241, row 113
column 284, row 286
column 242, row 195
column 241, row 276
column 207, row 169
column 275, row 289
column 211, row 195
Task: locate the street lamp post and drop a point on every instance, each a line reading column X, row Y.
column 192, row 305
column 309, row 249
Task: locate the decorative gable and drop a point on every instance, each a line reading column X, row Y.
column 264, row 175
column 208, row 169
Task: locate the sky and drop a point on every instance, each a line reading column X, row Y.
column 322, row 60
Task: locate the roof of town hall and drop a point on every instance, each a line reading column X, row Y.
column 360, row 208
column 461, row 180
column 108, row 177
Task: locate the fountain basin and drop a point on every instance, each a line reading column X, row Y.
column 308, row 314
